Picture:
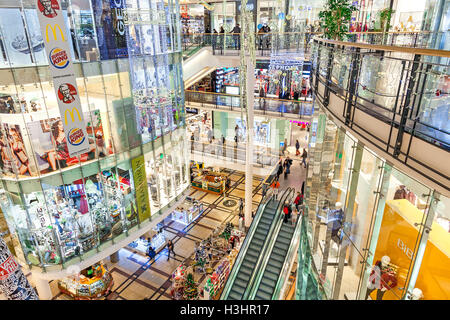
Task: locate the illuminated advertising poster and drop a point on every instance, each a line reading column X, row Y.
column 56, row 41
column 141, row 188
column 110, row 26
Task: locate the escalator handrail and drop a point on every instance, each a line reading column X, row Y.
column 244, row 247
column 263, row 252
column 293, row 247
column 270, row 244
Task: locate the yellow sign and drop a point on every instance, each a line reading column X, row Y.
column 398, row 239
column 53, row 29
column 141, row 188
column 71, row 113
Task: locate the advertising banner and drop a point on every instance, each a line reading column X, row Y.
column 13, row 283
column 110, row 27
column 56, row 42
column 141, row 188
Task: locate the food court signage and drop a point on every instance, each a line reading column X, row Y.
column 57, row 47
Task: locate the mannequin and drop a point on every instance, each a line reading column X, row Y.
column 335, row 218
column 382, row 278
column 416, row 294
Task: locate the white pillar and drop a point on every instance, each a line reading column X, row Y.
column 43, row 289
column 250, row 134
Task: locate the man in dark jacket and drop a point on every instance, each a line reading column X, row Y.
column 237, row 37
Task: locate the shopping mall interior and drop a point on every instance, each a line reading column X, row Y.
column 224, row 150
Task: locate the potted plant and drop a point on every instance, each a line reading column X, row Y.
column 385, row 19
column 335, row 18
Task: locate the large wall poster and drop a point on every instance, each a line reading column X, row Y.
column 14, row 157
column 50, row 144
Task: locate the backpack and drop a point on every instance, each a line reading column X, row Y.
column 286, row 210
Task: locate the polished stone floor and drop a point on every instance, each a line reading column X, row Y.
column 136, row 277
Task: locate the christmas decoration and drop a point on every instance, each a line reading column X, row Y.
column 190, row 288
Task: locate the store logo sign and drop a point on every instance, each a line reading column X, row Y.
column 7, row 267
column 118, row 6
column 407, row 251
column 53, row 29
column 48, row 7
column 76, row 136
column 59, row 58
column 67, row 93
column 71, row 113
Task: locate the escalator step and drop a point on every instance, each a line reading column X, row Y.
column 275, row 264
column 272, row 269
column 268, row 282
column 265, row 288
column 281, row 248
column 261, row 295
column 259, row 235
column 270, row 275
column 257, row 242
column 251, row 259
column 277, row 257
column 245, row 271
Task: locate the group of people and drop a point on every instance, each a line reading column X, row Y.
column 151, row 253
column 290, row 211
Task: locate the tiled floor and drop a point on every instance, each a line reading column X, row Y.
column 136, row 278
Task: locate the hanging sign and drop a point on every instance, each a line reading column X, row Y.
column 13, row 283
column 57, row 47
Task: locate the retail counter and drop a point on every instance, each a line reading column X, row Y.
column 209, row 181
column 85, row 286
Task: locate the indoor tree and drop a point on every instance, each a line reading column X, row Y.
column 385, row 18
column 335, row 18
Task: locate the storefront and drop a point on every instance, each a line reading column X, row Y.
column 212, row 261
column 192, row 18
column 90, row 284
column 368, row 246
column 60, row 207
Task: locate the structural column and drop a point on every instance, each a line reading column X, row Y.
column 43, row 289
column 13, row 283
column 250, row 100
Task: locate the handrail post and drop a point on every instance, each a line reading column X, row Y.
column 406, row 106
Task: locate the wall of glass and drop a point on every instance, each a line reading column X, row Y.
column 62, row 209
column 377, row 233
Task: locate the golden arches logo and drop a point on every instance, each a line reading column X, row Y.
column 53, row 29
column 72, row 115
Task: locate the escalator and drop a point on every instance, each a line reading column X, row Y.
column 280, row 249
column 252, row 251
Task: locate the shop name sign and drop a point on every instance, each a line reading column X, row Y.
column 54, row 33
column 285, row 62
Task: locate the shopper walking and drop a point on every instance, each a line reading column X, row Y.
column 275, row 186
column 286, row 209
column 170, row 249
column 297, row 148
column 237, row 37
column 287, row 166
column 241, row 206
column 192, row 142
column 214, row 40
column 294, row 216
column 280, row 168
column 210, row 135
column 298, row 200
column 304, row 156
column 284, row 146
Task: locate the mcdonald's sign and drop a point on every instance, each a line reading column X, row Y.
column 71, row 113
column 53, row 29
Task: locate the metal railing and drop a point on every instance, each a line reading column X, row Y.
column 262, row 157
column 267, row 43
column 244, row 247
column 402, row 87
column 271, row 106
column 290, row 194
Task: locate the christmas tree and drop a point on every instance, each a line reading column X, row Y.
column 190, row 288
column 227, row 231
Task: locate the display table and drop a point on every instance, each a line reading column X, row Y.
column 158, row 240
column 188, row 211
column 209, row 181
column 91, row 283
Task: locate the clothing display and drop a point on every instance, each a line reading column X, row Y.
column 382, row 278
